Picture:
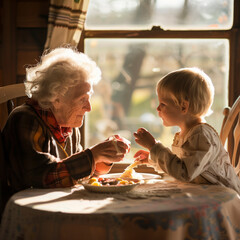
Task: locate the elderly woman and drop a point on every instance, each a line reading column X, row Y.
column 41, row 137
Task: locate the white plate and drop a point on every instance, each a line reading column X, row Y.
column 109, row 188
column 145, row 176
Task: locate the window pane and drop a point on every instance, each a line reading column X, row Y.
column 169, row 14
column 125, row 99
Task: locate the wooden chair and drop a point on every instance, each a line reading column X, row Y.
column 10, row 92
column 231, row 131
column 8, row 96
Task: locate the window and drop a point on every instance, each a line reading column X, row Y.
column 173, row 14
column 127, row 40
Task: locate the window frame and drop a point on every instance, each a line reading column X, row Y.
column 233, row 35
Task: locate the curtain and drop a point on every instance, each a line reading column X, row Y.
column 65, row 22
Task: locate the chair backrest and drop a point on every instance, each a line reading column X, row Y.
column 8, row 94
column 231, row 131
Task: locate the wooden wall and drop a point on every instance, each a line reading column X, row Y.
column 23, row 30
column 23, row 33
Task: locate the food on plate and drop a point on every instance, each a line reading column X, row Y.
column 92, row 180
column 111, row 181
column 129, row 172
column 110, row 184
column 96, row 184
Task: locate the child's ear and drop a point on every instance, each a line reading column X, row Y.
column 184, row 106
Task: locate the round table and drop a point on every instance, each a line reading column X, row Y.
column 157, row 209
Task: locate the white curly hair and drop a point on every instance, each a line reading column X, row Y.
column 57, row 71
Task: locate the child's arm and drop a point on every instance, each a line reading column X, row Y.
column 146, row 140
column 198, row 155
column 142, row 156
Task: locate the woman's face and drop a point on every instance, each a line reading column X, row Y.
column 69, row 110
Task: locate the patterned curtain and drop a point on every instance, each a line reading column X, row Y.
column 65, row 22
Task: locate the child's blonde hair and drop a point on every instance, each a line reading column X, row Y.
column 189, row 84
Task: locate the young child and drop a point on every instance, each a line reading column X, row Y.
column 185, row 97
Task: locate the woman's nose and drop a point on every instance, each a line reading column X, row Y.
column 158, row 108
column 88, row 106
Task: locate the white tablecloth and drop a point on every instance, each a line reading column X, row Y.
column 161, row 210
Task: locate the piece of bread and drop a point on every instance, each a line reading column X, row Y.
column 129, row 172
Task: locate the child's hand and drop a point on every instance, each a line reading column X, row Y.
column 144, row 138
column 141, row 156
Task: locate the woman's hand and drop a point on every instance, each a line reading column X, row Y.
column 144, row 138
column 141, row 156
column 111, row 150
column 102, row 168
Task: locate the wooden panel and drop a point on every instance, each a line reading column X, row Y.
column 1, row 83
column 236, row 90
column 9, row 42
column 31, row 38
column 32, row 14
column 26, row 58
column 156, row 33
column 234, row 76
column 20, row 78
column 1, row 52
column 1, row 28
column 236, row 22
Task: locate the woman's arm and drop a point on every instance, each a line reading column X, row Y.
column 33, row 157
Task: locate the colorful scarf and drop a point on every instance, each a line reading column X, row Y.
column 60, row 133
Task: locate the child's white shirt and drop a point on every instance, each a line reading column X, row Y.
column 198, row 157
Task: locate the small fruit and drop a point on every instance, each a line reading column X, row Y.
column 91, row 180
column 123, row 182
column 96, row 184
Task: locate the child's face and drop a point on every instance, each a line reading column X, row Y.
column 168, row 111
